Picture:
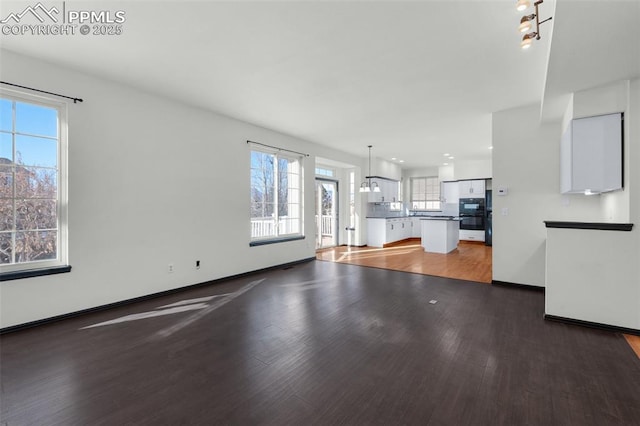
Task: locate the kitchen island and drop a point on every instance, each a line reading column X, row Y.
column 440, row 234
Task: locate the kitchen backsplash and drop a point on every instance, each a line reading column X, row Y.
column 386, row 210
column 400, row 210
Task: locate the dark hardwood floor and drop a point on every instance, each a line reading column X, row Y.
column 321, row 343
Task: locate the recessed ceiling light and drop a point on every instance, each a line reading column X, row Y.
column 402, row 161
column 445, row 164
column 446, row 155
column 393, row 158
column 451, row 157
column 490, row 147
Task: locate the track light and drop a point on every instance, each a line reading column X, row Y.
column 527, row 39
column 526, row 24
column 522, row 5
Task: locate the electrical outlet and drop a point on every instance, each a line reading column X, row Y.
column 170, row 268
column 197, row 264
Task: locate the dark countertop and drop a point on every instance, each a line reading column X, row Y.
column 388, row 217
column 417, row 217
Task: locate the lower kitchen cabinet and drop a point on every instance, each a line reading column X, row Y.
column 468, row 235
column 381, row 231
column 415, row 227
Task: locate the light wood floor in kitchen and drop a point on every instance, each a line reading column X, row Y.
column 470, row 261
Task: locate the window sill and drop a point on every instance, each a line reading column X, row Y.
column 275, row 241
column 30, row 273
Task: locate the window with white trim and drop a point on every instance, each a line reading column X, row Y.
column 425, row 193
column 323, row 171
column 276, row 195
column 33, row 181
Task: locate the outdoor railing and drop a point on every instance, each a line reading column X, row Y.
column 265, row 226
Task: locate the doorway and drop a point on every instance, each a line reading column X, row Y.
column 326, row 213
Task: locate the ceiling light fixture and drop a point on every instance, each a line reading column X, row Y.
column 525, row 24
column 522, row 5
column 367, row 185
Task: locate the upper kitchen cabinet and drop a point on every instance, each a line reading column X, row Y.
column 471, row 188
column 591, row 155
column 388, row 191
column 450, row 192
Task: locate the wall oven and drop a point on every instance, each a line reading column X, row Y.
column 472, row 214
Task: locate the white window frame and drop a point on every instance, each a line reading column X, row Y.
column 62, row 250
column 278, row 237
column 325, row 172
column 427, row 180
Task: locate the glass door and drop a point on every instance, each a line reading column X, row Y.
column 326, row 213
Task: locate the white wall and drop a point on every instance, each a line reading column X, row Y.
column 595, row 275
column 386, row 169
column 473, row 169
column 609, row 99
column 526, row 161
column 151, row 182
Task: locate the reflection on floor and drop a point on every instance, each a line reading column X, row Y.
column 470, row 261
column 321, row 343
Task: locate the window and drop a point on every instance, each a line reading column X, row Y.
column 425, row 193
column 276, row 196
column 321, row 171
column 32, row 182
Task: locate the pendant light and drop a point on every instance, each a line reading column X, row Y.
column 367, row 185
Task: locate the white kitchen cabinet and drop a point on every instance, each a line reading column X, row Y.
column 388, row 191
column 468, row 235
column 591, row 155
column 376, row 231
column 415, row 227
column 392, row 231
column 381, row 231
column 450, row 192
column 471, row 188
column 405, row 228
column 439, row 236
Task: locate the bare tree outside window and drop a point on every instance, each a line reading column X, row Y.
column 275, row 195
column 28, row 182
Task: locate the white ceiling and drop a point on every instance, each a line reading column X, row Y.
column 415, row 79
column 596, row 42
